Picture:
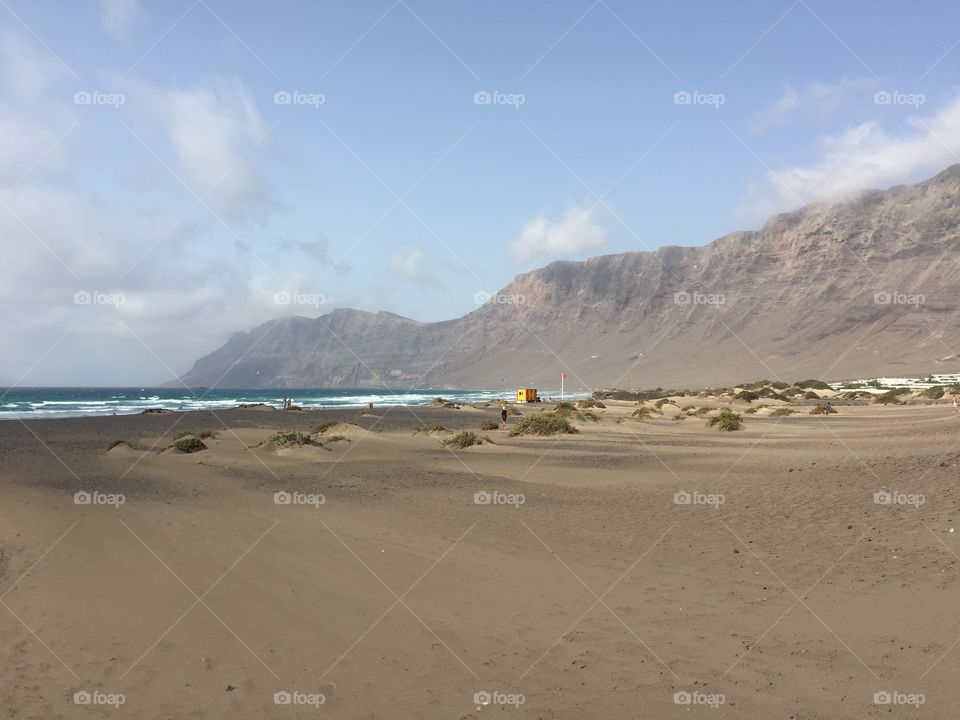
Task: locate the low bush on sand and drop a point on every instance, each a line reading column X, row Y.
column 727, row 420
column 548, row 423
column 465, row 439
column 888, row 398
column 821, row 409
column 753, row 410
column 324, row 426
column 189, row 444
column 663, row 401
column 810, row 395
column 567, row 410
column 430, row 428
column 679, row 416
column 114, row 443
column 688, row 408
column 700, row 412
column 489, row 425
column 644, row 412
column 513, row 410
column 934, row 393
column 337, row 438
column 792, row 392
column 782, row 412
column 293, row 438
column 746, row 396
column 590, row 403
column 815, row 384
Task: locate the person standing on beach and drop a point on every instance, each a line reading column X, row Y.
column 503, row 416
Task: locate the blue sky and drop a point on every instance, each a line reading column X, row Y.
column 158, row 193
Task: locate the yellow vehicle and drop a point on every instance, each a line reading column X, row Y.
column 526, row 395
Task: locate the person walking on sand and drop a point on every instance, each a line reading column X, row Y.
column 956, row 403
column 503, row 416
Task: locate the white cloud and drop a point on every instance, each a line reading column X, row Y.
column 215, row 131
column 578, row 232
column 118, row 16
column 814, row 101
column 865, row 156
column 407, row 263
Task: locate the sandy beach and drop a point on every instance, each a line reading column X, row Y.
column 647, row 568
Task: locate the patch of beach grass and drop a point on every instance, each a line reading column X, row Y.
column 189, row 444
column 727, row 421
column 548, row 423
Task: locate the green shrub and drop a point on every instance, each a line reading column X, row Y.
column 810, row 395
column 463, row 439
column 337, row 438
column 293, row 438
column 189, row 444
column 700, row 412
column 688, row 408
column 678, row 417
column 323, row 427
column 489, row 425
column 590, row 403
column 746, row 396
column 663, row 401
column 782, row 412
column 815, row 384
column 934, row 393
column 727, row 420
column 549, row 423
column 644, row 412
column 888, row 398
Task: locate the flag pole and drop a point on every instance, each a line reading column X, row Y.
column 563, row 375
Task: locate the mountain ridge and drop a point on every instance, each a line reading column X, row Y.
column 859, row 287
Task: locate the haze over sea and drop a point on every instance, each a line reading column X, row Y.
column 53, row 402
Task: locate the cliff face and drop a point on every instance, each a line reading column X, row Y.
column 864, row 287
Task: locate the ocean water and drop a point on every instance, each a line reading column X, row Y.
column 49, row 402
